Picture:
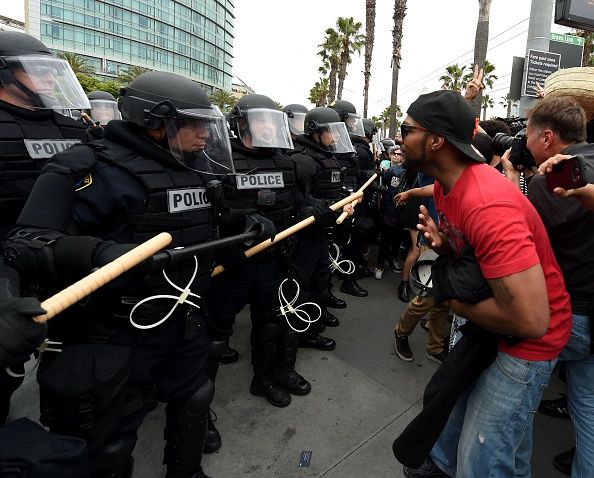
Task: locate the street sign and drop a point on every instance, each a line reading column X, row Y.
column 540, row 64
column 570, row 47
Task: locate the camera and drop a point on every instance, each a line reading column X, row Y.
column 519, row 156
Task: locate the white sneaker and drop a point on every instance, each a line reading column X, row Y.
column 379, row 273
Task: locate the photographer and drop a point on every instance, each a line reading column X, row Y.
column 585, row 194
column 558, row 125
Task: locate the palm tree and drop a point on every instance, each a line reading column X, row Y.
column 399, row 14
column 454, row 77
column 481, row 42
column 279, row 106
column 388, row 121
column 223, row 99
column 318, row 94
column 77, row 63
column 588, row 55
column 488, row 78
column 369, row 38
column 131, row 74
column 330, row 53
column 508, row 102
column 351, row 42
column 486, row 102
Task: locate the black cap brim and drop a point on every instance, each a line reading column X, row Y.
column 468, row 150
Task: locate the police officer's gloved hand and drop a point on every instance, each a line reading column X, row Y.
column 20, row 335
column 107, row 251
column 96, row 132
column 75, row 162
column 325, row 217
column 459, row 278
column 264, row 227
column 232, row 259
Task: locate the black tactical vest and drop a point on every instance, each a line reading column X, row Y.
column 328, row 183
column 365, row 159
column 27, row 140
column 349, row 162
column 269, row 187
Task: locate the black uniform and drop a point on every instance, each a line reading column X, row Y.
column 269, row 189
column 135, row 190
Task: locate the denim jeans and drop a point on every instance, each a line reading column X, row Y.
column 489, row 432
column 579, row 366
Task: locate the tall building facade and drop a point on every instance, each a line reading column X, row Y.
column 193, row 38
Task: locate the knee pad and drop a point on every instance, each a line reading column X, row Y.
column 199, row 402
column 218, row 347
column 268, row 330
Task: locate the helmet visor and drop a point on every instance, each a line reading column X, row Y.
column 296, row 123
column 199, row 141
column 354, row 124
column 335, row 138
column 42, row 82
column 103, row 111
column 265, row 128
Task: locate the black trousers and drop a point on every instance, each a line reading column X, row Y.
column 390, row 241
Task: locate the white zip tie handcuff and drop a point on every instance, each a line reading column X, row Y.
column 286, row 307
column 182, row 299
column 336, row 264
column 45, row 346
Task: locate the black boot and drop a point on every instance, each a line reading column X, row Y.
column 335, row 303
column 350, row 286
column 185, row 432
column 229, row 356
column 265, row 339
column 213, row 437
column 286, row 357
column 404, row 291
column 317, row 342
column 363, row 272
column 329, row 319
column 263, row 386
column 293, row 382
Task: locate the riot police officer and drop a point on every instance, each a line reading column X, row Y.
column 149, row 174
column 352, row 249
column 104, row 107
column 296, row 115
column 265, row 182
column 35, row 88
column 320, row 177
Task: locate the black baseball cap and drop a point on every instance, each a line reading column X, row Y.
column 448, row 114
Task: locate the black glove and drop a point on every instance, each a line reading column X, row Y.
column 264, row 226
column 459, row 278
column 232, row 259
column 20, row 335
column 108, row 251
column 325, row 217
column 76, row 162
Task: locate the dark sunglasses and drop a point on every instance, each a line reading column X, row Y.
column 406, row 129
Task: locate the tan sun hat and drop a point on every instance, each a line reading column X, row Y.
column 575, row 82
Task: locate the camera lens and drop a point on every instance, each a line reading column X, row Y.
column 501, row 143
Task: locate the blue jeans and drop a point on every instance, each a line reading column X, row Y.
column 489, row 432
column 579, row 366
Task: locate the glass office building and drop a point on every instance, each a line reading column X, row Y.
column 193, row 38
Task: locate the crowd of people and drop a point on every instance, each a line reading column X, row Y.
column 495, row 264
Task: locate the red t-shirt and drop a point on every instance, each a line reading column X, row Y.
column 491, row 214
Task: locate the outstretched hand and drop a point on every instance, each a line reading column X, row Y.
column 475, row 85
column 429, row 229
column 539, row 90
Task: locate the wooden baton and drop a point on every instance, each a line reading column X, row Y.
column 344, row 215
column 75, row 292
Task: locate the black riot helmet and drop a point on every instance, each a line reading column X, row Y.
column 30, row 77
column 370, row 128
column 388, row 143
column 323, row 125
column 296, row 115
column 348, row 114
column 256, row 120
column 196, row 130
column 104, row 107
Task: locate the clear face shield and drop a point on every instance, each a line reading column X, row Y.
column 42, row 82
column 198, row 140
column 297, row 123
column 335, row 137
column 265, row 128
column 103, row 111
column 354, row 124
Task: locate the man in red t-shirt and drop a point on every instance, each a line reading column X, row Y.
column 489, row 432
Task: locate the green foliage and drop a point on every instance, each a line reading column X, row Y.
column 131, row 74
column 77, row 63
column 488, row 77
column 486, row 103
column 454, row 77
column 112, row 87
column 88, row 83
column 223, row 99
column 318, row 94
